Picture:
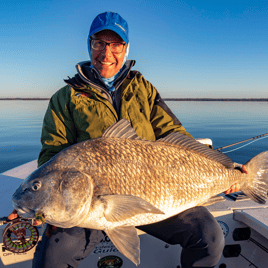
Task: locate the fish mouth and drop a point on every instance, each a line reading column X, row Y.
column 25, row 212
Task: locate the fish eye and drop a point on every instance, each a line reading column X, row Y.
column 36, row 185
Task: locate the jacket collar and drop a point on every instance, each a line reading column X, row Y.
column 88, row 75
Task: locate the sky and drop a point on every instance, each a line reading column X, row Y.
column 186, row 49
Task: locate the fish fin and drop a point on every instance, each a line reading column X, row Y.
column 121, row 207
column 212, row 200
column 190, row 143
column 256, row 185
column 127, row 241
column 121, row 129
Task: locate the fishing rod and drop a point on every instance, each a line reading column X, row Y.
column 254, row 139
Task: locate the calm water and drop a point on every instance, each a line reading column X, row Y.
column 223, row 122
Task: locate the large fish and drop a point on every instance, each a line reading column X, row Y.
column 119, row 181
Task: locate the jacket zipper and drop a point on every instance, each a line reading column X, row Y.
column 100, row 89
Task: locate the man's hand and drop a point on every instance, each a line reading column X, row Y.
column 236, row 187
column 37, row 222
column 14, row 214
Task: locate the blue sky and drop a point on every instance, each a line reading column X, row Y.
column 184, row 48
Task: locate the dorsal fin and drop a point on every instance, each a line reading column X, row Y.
column 121, row 129
column 190, row 143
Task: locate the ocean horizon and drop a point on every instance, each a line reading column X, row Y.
column 165, row 99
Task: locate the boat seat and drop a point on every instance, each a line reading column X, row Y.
column 257, row 219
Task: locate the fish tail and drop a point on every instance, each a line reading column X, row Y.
column 256, row 186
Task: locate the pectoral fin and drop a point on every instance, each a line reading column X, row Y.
column 126, row 240
column 121, row 207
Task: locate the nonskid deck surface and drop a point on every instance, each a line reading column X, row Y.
column 244, row 223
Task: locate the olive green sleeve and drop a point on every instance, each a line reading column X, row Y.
column 162, row 119
column 58, row 131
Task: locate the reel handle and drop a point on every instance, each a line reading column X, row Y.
column 4, row 220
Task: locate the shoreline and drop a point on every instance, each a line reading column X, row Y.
column 167, row 99
column 24, row 98
column 216, row 99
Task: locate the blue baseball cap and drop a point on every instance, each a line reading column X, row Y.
column 110, row 21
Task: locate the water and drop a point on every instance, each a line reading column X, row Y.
column 223, row 122
column 226, row 123
column 20, row 131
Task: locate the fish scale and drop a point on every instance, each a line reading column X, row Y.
column 158, row 178
column 114, row 184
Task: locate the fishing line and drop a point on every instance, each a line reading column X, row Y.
column 254, row 139
column 244, row 145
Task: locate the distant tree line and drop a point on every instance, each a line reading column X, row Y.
column 214, row 99
column 24, row 98
column 169, row 99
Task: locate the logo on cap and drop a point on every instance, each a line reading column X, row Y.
column 120, row 26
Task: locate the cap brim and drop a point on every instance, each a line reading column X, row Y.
column 112, row 28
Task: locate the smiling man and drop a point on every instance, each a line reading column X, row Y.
column 104, row 90
column 108, row 53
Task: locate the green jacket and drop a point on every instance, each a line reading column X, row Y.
column 84, row 109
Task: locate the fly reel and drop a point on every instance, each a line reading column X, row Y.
column 19, row 235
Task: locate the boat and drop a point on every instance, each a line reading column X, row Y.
column 244, row 224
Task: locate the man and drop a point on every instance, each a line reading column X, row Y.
column 103, row 91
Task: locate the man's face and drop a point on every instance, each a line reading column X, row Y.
column 106, row 62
